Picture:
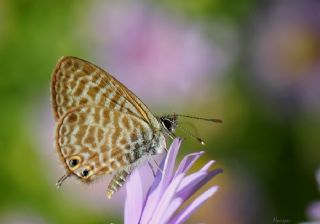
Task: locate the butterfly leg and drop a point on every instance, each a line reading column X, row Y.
column 172, row 136
column 117, row 181
column 151, row 167
column 155, row 162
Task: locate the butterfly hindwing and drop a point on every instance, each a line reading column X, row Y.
column 101, row 141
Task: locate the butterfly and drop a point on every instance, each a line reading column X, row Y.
column 101, row 126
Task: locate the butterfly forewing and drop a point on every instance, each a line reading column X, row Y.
column 76, row 82
column 102, row 140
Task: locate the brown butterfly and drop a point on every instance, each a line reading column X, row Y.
column 102, row 127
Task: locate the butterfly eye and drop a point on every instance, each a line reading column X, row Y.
column 167, row 124
column 85, row 173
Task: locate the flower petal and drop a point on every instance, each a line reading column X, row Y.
column 178, row 200
column 170, row 162
column 152, row 196
column 134, row 199
column 187, row 211
column 166, row 200
column 187, row 162
column 314, row 210
column 172, row 208
column 318, row 178
column 207, row 166
column 171, row 189
column 194, row 182
column 157, row 178
column 157, row 188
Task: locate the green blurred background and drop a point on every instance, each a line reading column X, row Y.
column 254, row 64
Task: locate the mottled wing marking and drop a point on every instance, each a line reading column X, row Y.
column 105, row 140
column 76, row 82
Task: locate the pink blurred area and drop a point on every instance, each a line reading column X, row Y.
column 160, row 56
column 313, row 209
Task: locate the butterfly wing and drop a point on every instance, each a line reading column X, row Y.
column 92, row 141
column 76, row 82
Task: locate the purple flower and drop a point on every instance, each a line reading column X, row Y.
column 314, row 211
column 314, row 208
column 169, row 190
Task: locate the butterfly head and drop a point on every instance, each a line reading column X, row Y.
column 169, row 123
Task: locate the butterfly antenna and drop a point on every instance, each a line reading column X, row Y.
column 191, row 135
column 61, row 180
column 200, row 118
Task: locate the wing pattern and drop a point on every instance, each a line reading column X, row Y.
column 76, row 82
column 103, row 140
